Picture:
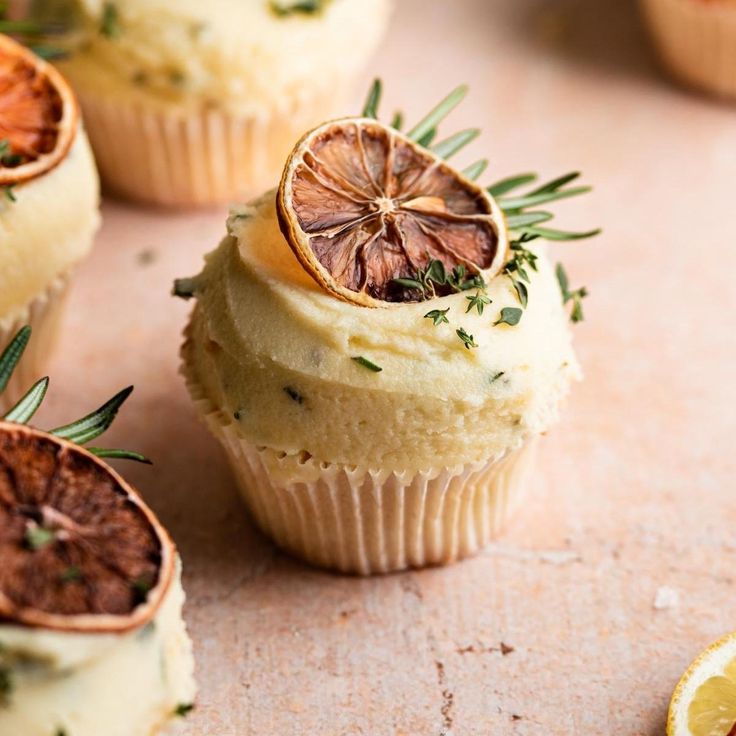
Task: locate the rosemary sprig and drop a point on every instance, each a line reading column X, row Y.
column 24, row 410
column 438, row 113
column 473, row 171
column 510, row 183
column 575, row 296
column 370, row 109
column 83, row 430
column 94, row 424
column 12, row 354
column 451, row 145
column 119, row 454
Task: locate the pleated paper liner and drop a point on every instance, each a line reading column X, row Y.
column 696, row 41
column 180, row 158
column 44, row 315
column 366, row 521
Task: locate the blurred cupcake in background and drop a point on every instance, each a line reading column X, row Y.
column 195, row 103
column 49, row 196
column 696, row 40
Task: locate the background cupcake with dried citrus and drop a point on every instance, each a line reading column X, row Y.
column 378, row 346
column 696, row 40
column 49, row 196
column 92, row 639
column 192, row 103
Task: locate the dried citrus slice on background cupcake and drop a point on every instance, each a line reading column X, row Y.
column 92, row 638
column 47, row 175
column 704, row 701
column 363, row 206
column 38, row 114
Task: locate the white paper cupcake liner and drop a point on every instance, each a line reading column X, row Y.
column 44, row 315
column 180, row 158
column 696, row 41
column 365, row 521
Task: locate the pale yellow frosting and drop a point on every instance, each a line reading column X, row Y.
column 235, row 54
column 99, row 684
column 48, row 229
column 273, row 351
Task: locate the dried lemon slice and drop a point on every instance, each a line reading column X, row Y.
column 704, row 701
column 362, row 205
column 38, row 114
column 62, row 509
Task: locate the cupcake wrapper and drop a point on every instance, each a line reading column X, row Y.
column 697, row 42
column 364, row 521
column 43, row 314
column 182, row 158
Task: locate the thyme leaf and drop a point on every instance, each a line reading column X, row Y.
column 467, row 340
column 477, row 301
column 509, row 316
column 438, row 316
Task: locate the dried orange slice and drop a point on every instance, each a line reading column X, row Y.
column 38, row 114
column 80, row 551
column 362, row 205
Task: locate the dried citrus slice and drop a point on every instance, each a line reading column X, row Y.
column 38, row 114
column 704, row 701
column 362, row 205
column 80, row 551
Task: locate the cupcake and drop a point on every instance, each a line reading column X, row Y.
column 379, row 344
column 92, row 639
column 696, row 40
column 195, row 103
column 48, row 202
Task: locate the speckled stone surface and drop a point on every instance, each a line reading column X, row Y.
column 553, row 630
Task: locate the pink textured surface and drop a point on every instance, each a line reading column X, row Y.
column 635, row 489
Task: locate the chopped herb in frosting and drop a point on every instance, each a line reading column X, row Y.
column 360, row 360
column 283, row 8
column 110, row 21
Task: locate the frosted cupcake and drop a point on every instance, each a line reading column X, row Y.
column 380, row 394
column 193, row 103
column 696, row 40
column 48, row 201
column 92, row 639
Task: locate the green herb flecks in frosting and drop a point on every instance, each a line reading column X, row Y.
column 183, row 709
column 110, row 21
column 81, row 432
column 370, row 365
column 286, row 8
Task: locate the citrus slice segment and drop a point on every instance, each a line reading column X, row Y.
column 38, row 114
column 80, row 551
column 704, row 701
column 362, row 205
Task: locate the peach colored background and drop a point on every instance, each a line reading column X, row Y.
column 636, row 487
